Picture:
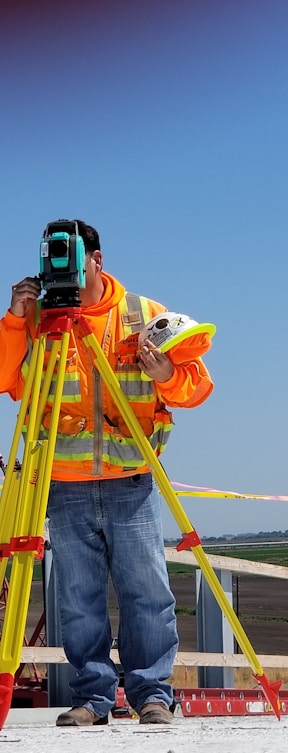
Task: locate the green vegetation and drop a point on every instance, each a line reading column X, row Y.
column 185, row 610
column 175, row 568
column 275, row 553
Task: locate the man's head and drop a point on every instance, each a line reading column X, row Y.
column 90, row 236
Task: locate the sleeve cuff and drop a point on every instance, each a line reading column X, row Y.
column 170, row 383
column 14, row 322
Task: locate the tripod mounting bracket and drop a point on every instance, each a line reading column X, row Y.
column 23, row 544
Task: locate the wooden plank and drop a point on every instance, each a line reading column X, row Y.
column 228, row 563
column 56, row 655
column 197, row 659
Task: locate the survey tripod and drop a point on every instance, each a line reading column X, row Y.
column 25, row 493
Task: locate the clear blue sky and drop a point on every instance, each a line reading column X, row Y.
column 164, row 123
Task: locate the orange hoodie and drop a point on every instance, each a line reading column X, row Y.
column 80, row 419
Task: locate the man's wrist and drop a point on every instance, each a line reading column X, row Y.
column 17, row 311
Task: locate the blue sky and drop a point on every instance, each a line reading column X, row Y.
column 165, row 125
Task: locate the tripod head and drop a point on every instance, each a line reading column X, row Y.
column 62, row 264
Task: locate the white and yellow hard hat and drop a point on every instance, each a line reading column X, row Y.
column 169, row 329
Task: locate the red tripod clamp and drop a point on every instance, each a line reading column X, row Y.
column 189, row 540
column 23, row 544
column 55, row 322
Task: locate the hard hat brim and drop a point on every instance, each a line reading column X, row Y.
column 206, row 328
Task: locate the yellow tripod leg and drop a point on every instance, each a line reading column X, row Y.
column 31, row 510
column 22, row 566
column 9, row 521
column 11, row 486
column 179, row 514
column 8, row 510
column 8, row 491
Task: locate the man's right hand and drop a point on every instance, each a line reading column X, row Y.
column 22, row 293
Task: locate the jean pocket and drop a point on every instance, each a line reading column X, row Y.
column 53, row 485
column 141, row 479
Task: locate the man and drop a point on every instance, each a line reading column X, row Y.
column 104, row 509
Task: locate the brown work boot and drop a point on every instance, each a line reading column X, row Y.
column 79, row 716
column 155, row 713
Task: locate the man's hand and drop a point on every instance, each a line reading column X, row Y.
column 155, row 364
column 22, row 293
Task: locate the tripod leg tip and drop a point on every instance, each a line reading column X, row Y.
column 6, row 690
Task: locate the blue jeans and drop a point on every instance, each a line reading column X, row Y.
column 113, row 526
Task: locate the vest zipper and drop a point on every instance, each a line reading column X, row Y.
column 98, row 403
column 98, row 423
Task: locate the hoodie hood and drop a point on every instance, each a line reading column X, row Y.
column 113, row 292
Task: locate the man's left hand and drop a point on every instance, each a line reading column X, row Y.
column 155, row 364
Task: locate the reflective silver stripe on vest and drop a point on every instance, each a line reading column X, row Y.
column 133, row 386
column 71, row 388
column 133, row 302
column 71, row 448
column 116, row 450
column 129, row 378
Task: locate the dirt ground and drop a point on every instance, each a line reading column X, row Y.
column 260, row 603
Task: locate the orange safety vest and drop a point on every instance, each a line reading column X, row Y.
column 93, row 440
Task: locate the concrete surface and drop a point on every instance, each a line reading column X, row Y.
column 34, row 731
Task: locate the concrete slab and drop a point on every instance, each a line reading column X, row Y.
column 34, row 731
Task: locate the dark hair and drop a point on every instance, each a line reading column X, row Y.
column 90, row 236
column 88, row 233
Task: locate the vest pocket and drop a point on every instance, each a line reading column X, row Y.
column 161, row 421
column 67, row 425
column 118, row 427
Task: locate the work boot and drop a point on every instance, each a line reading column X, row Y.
column 79, row 716
column 155, row 713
